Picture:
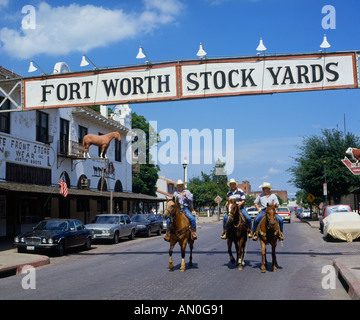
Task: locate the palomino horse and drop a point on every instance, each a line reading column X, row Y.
column 269, row 234
column 102, row 141
column 236, row 231
column 179, row 231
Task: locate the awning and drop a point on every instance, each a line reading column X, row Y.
column 55, row 190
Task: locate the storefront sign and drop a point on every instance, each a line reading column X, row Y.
column 194, row 79
column 21, row 151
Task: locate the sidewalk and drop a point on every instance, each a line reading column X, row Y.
column 12, row 262
column 347, row 268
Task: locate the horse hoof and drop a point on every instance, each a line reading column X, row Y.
column 243, row 263
column 232, row 260
column 274, row 269
column 171, row 266
column 182, row 269
column 240, row 268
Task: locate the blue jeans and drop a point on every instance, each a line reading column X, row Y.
column 245, row 214
column 259, row 216
column 190, row 217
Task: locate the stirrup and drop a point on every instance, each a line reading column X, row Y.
column 223, row 236
column 193, row 235
column 255, row 236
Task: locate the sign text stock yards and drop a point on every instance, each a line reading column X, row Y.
column 194, row 79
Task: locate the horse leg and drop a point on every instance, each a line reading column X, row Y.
column 183, row 247
column 172, row 245
column 229, row 243
column 240, row 254
column 191, row 244
column 274, row 262
column 263, row 256
column 237, row 252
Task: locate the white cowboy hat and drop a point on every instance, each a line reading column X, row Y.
column 179, row 182
column 232, row 180
column 265, row 185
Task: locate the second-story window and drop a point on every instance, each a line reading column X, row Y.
column 82, row 133
column 5, row 116
column 117, row 150
column 42, row 127
column 64, row 135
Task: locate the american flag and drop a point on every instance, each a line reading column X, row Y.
column 63, row 185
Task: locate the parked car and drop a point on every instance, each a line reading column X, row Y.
column 146, row 224
column 112, row 226
column 305, row 214
column 331, row 209
column 284, row 213
column 54, row 235
column 298, row 211
column 161, row 218
column 342, row 225
column 252, row 211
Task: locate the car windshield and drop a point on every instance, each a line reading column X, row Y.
column 282, row 210
column 251, row 209
column 106, row 220
column 331, row 210
column 53, row 225
column 139, row 218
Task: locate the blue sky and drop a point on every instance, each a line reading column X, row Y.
column 267, row 128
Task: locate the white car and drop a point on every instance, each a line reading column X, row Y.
column 284, row 213
column 305, row 214
column 252, row 211
column 342, row 225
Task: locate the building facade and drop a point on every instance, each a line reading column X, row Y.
column 40, row 147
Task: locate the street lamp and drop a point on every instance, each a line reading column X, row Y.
column 184, row 164
column 325, row 184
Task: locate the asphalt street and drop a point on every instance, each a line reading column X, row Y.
column 138, row 269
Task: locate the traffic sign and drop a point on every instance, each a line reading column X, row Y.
column 310, row 197
column 218, row 199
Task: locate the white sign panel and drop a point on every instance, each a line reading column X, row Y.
column 25, row 152
column 102, row 87
column 268, row 75
column 194, row 79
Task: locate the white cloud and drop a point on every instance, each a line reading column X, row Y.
column 274, row 171
column 64, row 29
column 4, row 3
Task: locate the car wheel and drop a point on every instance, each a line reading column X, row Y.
column 87, row 245
column 116, row 237
column 159, row 231
column 148, row 233
column 61, row 248
column 132, row 234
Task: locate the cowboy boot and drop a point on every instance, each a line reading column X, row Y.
column 167, row 236
column 250, row 233
column 223, row 235
column 255, row 235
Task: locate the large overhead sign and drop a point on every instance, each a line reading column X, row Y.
column 194, row 79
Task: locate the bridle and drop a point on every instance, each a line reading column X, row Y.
column 232, row 212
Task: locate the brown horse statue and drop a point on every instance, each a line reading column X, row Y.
column 180, row 231
column 102, row 141
column 269, row 231
column 236, row 232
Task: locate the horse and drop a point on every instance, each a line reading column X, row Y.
column 102, row 141
column 269, row 230
column 179, row 231
column 236, row 232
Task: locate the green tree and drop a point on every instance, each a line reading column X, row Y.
column 145, row 181
column 308, row 173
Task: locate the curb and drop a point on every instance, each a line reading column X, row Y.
column 15, row 269
column 348, row 280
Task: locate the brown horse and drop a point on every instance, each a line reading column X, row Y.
column 102, row 141
column 179, row 231
column 236, row 232
column 269, row 231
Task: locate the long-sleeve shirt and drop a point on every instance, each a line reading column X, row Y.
column 184, row 201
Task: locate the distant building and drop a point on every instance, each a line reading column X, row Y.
column 245, row 186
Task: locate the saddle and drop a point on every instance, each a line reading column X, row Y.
column 183, row 230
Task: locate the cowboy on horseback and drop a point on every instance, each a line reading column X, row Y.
column 262, row 200
column 185, row 199
column 239, row 195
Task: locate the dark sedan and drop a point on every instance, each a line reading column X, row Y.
column 147, row 224
column 56, row 235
